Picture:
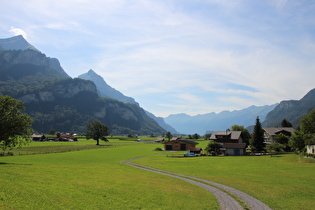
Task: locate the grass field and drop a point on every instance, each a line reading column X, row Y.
column 281, row 181
column 94, row 178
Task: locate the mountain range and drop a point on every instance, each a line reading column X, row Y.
column 107, row 91
column 56, row 101
column 206, row 123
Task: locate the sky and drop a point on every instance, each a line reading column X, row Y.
column 177, row 56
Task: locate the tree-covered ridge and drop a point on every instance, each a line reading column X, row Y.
column 70, row 104
column 291, row 110
column 55, row 101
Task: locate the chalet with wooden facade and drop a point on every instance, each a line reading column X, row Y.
column 271, row 133
column 231, row 141
column 181, row 145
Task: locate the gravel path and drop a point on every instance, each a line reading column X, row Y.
column 218, row 190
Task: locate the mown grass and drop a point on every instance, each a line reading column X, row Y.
column 281, row 181
column 94, row 179
column 44, row 147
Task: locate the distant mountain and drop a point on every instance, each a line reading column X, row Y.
column 19, row 59
column 291, row 110
column 162, row 123
column 107, row 91
column 16, row 43
column 200, row 124
column 104, row 89
column 55, row 101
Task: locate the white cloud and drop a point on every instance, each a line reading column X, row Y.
column 17, row 31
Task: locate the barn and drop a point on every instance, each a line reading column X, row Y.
column 180, row 145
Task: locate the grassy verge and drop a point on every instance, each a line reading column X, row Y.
column 282, row 182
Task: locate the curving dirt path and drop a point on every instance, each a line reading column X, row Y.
column 221, row 192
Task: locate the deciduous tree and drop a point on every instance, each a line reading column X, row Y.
column 96, row 130
column 245, row 134
column 15, row 126
column 168, row 135
column 213, row 148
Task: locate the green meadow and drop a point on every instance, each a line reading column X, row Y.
column 93, row 179
column 84, row 177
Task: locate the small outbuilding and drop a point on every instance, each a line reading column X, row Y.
column 180, row 145
column 160, row 140
column 310, row 149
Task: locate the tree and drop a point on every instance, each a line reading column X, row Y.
column 96, row 130
column 213, row 148
column 196, row 136
column 245, row 134
column 168, row 135
column 15, row 127
column 207, row 136
column 297, row 141
column 281, row 138
column 286, row 124
column 257, row 141
column 307, row 123
column 52, row 131
column 274, row 148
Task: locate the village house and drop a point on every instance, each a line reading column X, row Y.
column 231, row 141
column 160, row 140
column 181, row 145
column 272, row 132
column 310, row 149
column 38, row 137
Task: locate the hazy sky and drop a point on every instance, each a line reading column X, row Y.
column 178, row 56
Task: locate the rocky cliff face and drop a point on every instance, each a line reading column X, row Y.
column 19, row 62
column 54, row 100
column 63, row 89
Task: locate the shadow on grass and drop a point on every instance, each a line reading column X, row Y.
column 24, row 164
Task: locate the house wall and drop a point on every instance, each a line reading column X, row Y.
column 310, row 149
column 176, row 145
column 233, row 152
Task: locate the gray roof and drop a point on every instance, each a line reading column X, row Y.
column 274, row 131
column 232, row 134
column 183, row 140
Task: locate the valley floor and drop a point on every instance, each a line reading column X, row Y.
column 96, row 179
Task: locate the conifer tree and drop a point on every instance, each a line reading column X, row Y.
column 257, row 141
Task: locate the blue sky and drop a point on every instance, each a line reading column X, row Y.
column 178, row 56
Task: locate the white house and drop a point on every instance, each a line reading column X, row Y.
column 310, row 149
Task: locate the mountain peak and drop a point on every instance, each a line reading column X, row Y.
column 92, row 72
column 104, row 89
column 16, row 43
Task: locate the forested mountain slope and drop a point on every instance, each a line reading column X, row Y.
column 55, row 101
column 291, row 110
